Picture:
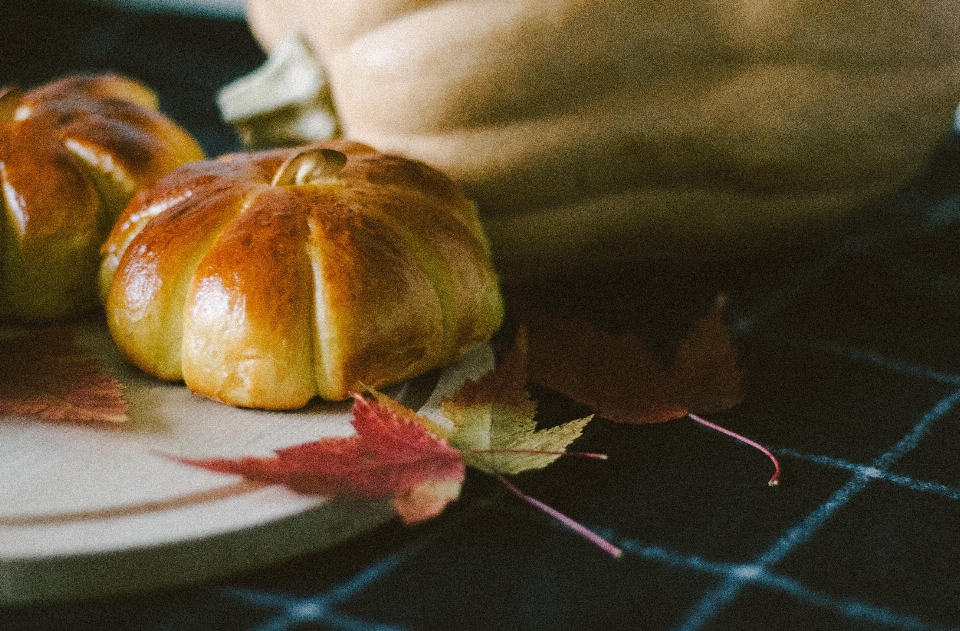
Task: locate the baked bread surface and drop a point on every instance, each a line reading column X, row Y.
column 72, row 153
column 266, row 279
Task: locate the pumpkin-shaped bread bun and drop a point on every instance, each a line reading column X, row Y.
column 266, row 279
column 72, row 153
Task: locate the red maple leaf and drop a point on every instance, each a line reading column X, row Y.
column 389, row 456
column 42, row 373
column 620, row 378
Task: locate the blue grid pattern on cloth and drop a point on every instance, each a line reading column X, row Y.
column 734, row 577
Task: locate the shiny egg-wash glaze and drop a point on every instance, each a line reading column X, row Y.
column 266, row 279
column 72, row 153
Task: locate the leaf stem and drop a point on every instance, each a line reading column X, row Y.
column 572, row 524
column 775, row 479
column 582, row 454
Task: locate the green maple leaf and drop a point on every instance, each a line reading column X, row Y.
column 494, row 425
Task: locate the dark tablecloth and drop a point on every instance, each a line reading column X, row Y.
column 852, row 359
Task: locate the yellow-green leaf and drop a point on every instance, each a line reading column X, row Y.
column 494, row 424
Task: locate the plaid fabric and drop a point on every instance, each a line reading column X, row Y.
column 852, row 357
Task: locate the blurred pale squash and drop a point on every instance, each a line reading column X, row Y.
column 629, row 129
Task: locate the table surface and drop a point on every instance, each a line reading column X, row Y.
column 852, row 358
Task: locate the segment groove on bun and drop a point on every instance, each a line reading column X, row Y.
column 266, row 279
column 72, row 153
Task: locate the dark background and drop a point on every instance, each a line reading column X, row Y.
column 852, row 359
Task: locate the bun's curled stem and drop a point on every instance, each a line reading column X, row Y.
column 311, row 166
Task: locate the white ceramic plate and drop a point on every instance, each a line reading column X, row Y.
column 91, row 509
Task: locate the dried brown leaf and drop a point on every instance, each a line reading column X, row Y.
column 620, row 378
column 44, row 374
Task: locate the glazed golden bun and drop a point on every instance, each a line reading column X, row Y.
column 266, row 279
column 72, row 153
